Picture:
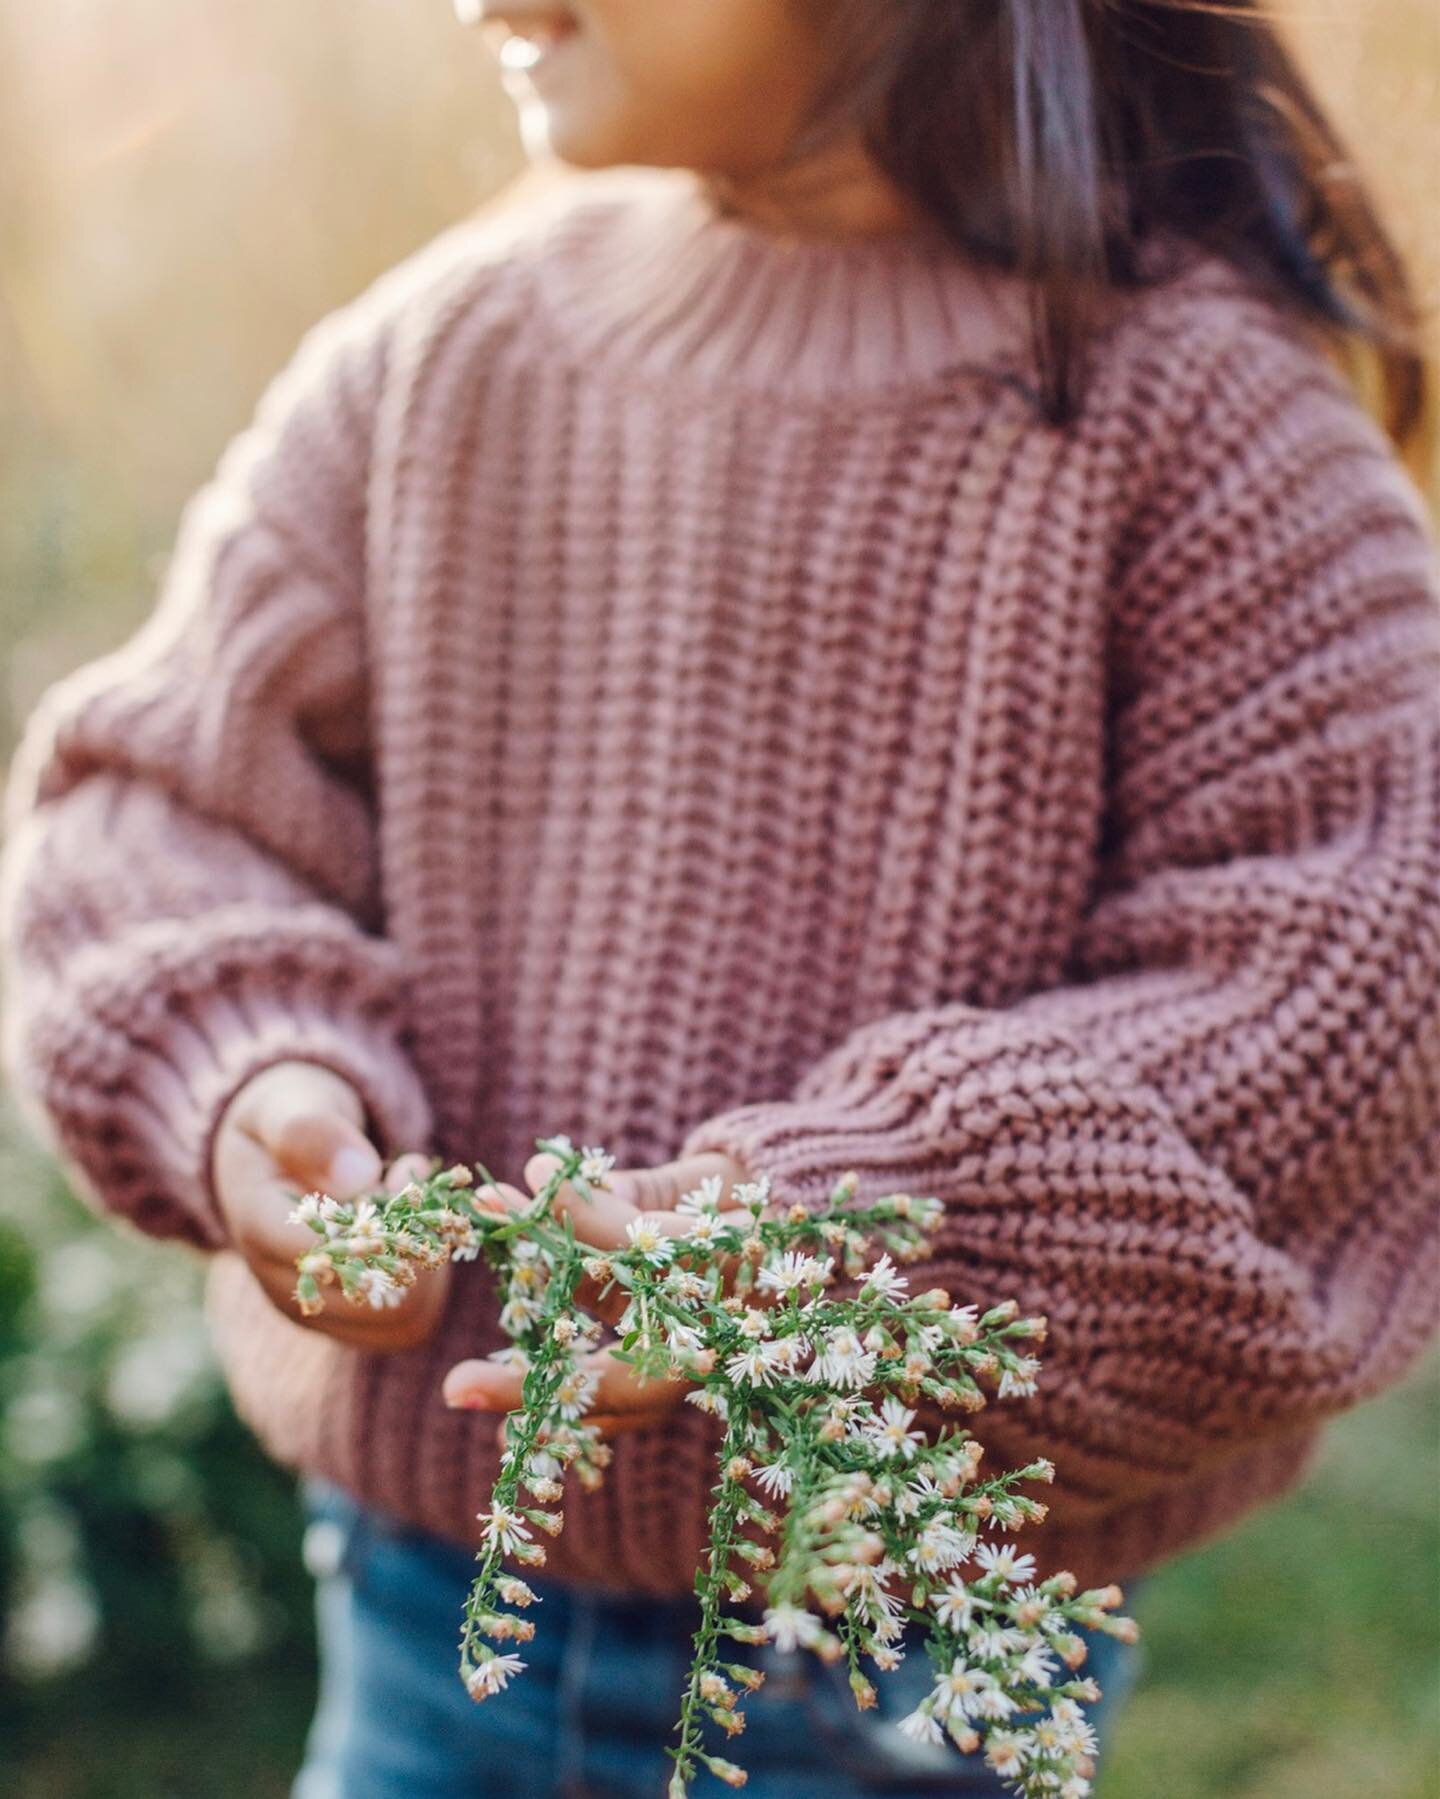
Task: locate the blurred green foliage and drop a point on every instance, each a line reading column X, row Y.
column 153, row 1604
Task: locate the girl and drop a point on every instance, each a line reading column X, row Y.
column 865, row 632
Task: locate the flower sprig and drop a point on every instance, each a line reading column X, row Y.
column 835, row 1516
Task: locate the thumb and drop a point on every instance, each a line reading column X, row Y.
column 311, row 1120
column 660, row 1189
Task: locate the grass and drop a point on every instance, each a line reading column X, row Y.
column 1297, row 1658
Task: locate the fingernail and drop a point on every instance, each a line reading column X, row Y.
column 351, row 1170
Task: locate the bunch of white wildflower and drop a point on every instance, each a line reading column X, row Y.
column 836, row 1513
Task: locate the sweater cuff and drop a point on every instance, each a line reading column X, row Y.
column 135, row 1121
column 397, row 1112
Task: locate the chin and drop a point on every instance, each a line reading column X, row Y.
column 578, row 142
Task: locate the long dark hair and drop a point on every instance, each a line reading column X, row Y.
column 1066, row 139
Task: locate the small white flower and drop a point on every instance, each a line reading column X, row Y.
column 542, row 1466
column 791, row 1627
column 890, row 1433
column 518, row 1312
column 954, row 1605
column 595, row 1164
column 1019, row 1381
column 883, row 1280
column 959, row 1689
column 709, row 1399
column 1001, row 1559
column 504, row 1527
column 1075, row 1733
column 756, row 1364
column 576, row 1392
column 1007, row 1751
column 843, row 1362
column 939, row 1546
column 1037, row 1666
column 793, row 1270
column 786, row 1352
column 377, row 1286
column 704, row 1198
column 839, row 1409
column 775, row 1478
column 648, row 1241
column 994, row 1704
column 753, row 1194
column 491, row 1675
column 683, row 1339
column 959, row 1321
column 685, row 1285
column 308, row 1210
column 994, row 1643
column 920, row 1727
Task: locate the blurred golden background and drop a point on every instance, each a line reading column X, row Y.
column 184, row 188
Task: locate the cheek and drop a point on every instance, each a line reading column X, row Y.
column 713, row 74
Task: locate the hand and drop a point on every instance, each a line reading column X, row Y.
column 296, row 1126
column 622, row 1401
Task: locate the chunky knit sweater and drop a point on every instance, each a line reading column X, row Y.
column 649, row 677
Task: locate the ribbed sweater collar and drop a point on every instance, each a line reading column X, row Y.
column 645, row 271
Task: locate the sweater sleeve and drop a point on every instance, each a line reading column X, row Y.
column 189, row 885
column 1212, row 1157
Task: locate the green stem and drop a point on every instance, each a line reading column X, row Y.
column 724, row 1520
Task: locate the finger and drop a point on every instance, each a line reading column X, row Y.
column 258, row 1201
column 312, row 1123
column 485, row 1386
column 606, row 1300
column 480, row 1386
column 658, row 1189
column 603, row 1222
column 500, row 1196
column 407, row 1168
column 599, row 1221
column 404, row 1325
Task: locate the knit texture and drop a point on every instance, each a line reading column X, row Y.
column 646, row 677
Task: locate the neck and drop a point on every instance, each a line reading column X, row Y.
column 649, row 270
column 840, row 194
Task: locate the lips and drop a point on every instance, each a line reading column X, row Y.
column 542, row 26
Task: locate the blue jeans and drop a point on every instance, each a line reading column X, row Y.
column 595, row 1708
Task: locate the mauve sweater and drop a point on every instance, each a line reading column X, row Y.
column 650, row 678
